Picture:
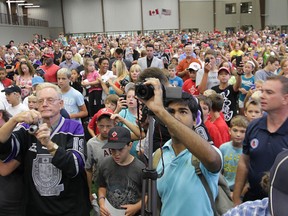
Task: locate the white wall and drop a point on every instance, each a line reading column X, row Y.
column 276, row 11
column 82, row 16
column 196, row 14
column 123, row 15
column 20, row 33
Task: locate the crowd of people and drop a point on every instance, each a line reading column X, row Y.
column 75, row 133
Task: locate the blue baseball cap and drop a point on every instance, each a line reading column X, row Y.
column 37, row 80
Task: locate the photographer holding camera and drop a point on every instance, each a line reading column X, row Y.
column 179, row 181
column 53, row 157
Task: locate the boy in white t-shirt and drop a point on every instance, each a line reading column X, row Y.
column 13, row 96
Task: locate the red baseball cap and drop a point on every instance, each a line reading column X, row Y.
column 104, row 111
column 48, row 55
column 224, row 69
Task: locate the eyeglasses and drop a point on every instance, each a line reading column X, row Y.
column 48, row 101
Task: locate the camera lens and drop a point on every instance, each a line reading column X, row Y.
column 124, row 82
column 32, row 129
column 144, row 92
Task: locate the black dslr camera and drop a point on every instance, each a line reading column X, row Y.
column 145, row 92
column 124, row 82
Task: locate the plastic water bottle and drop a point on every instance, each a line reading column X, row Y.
column 96, row 209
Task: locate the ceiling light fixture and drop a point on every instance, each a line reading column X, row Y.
column 20, row 1
column 25, row 4
column 32, row 6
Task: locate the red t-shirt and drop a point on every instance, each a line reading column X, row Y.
column 214, row 133
column 2, row 63
column 189, row 86
column 6, row 82
column 223, row 127
column 50, row 73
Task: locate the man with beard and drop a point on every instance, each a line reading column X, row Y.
column 50, row 68
column 57, row 54
column 69, row 63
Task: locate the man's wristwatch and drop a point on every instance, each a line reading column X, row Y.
column 54, row 148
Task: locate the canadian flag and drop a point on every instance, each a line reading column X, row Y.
column 153, row 12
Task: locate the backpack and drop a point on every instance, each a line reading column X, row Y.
column 223, row 201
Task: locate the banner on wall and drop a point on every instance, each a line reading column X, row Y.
column 153, row 12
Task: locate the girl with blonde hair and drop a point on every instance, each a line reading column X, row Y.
column 117, row 85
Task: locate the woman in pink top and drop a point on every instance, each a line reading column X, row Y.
column 24, row 80
column 92, row 82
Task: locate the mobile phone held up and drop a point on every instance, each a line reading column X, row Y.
column 238, row 60
column 123, row 96
column 207, row 60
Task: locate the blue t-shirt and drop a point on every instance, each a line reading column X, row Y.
column 180, row 189
column 73, row 99
column 125, row 113
column 231, row 156
column 176, row 81
column 246, row 83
